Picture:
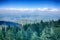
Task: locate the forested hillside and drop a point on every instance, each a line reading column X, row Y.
column 36, row 31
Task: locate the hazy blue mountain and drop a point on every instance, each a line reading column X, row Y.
column 32, row 16
column 9, row 23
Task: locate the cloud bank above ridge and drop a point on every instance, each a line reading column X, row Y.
column 28, row 10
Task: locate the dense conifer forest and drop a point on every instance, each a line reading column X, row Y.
column 36, row 31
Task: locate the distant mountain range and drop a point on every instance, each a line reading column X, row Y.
column 29, row 16
column 9, row 23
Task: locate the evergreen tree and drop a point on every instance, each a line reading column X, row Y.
column 34, row 36
column 29, row 33
column 20, row 35
column 47, row 34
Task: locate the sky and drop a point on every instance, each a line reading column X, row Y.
column 28, row 5
column 42, row 7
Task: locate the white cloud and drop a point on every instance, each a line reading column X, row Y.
column 42, row 9
column 54, row 9
column 28, row 10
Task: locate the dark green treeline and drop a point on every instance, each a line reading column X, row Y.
column 36, row 31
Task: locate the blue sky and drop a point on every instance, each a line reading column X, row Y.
column 30, row 4
column 45, row 7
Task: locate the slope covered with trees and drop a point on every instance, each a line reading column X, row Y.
column 36, row 31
